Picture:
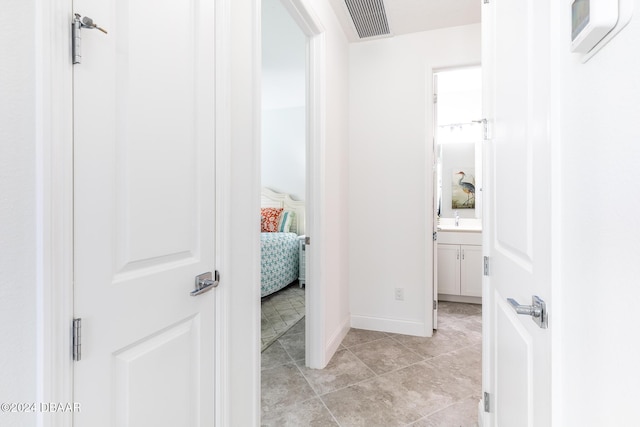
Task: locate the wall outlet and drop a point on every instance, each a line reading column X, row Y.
column 400, row 294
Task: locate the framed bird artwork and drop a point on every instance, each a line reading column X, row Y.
column 463, row 194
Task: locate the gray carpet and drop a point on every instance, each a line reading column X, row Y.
column 280, row 311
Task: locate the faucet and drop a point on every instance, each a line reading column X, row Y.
column 457, row 219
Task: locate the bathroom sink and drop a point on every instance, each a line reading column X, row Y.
column 464, row 224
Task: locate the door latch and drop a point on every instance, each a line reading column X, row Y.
column 205, row 282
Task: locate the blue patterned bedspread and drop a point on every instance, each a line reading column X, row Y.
column 279, row 261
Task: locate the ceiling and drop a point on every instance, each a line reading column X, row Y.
column 411, row 16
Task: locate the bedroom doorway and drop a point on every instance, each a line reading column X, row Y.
column 292, row 54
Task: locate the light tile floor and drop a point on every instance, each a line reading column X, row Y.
column 379, row 379
column 280, row 311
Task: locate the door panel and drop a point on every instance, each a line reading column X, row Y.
column 139, row 365
column 517, row 236
column 144, row 214
column 514, row 361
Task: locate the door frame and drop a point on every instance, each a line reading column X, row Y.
column 315, row 298
column 54, row 142
column 54, row 209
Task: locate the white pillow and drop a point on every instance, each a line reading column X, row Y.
column 286, row 218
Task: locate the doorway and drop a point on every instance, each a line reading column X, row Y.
column 309, row 76
column 283, row 171
column 458, row 134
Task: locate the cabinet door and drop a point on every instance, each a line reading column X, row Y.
column 449, row 269
column 471, row 271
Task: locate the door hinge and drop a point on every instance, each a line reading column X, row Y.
column 485, row 1
column 77, row 339
column 485, row 128
column 78, row 23
column 435, row 304
column 487, row 402
column 435, row 98
column 486, row 266
column 435, row 236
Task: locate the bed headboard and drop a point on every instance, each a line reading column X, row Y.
column 271, row 199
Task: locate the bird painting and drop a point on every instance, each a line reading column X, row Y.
column 464, row 191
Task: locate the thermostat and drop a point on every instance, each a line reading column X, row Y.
column 591, row 21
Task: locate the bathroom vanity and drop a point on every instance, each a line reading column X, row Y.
column 460, row 261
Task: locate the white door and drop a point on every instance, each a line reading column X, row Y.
column 517, row 235
column 435, row 208
column 144, row 213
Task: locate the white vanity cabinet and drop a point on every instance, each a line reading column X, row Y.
column 460, row 266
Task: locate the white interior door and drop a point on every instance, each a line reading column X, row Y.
column 144, row 213
column 436, row 200
column 517, row 235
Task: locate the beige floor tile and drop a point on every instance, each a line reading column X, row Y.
column 294, row 344
column 463, row 363
column 397, row 398
column 283, row 386
column 275, row 355
column 309, row 413
column 377, row 379
column 461, row 414
column 385, row 355
column 343, row 370
column 361, row 336
column 443, row 341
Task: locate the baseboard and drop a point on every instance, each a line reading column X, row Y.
column 336, row 339
column 395, row 326
column 460, row 298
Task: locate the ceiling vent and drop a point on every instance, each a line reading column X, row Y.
column 369, row 17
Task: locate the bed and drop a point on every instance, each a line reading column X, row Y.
column 280, row 248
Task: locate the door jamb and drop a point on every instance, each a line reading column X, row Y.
column 315, row 298
column 54, row 211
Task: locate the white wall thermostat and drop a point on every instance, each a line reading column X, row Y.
column 591, row 21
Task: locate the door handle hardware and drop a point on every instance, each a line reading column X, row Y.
column 537, row 310
column 205, row 282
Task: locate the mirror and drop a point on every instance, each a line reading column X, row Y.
column 458, row 142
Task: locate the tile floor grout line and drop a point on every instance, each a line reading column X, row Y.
column 442, row 409
column 329, row 410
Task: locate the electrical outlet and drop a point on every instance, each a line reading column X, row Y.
column 400, row 294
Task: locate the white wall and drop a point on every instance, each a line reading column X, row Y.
column 283, row 150
column 596, row 338
column 284, row 55
column 18, row 220
column 390, row 180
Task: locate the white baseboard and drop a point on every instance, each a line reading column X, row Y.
column 389, row 325
column 336, row 339
column 460, row 298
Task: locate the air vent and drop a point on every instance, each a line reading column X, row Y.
column 369, row 17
